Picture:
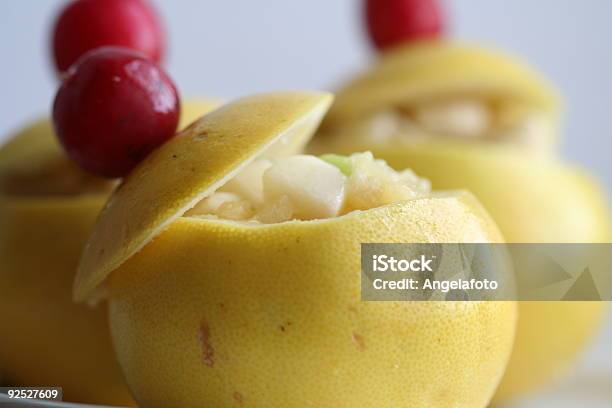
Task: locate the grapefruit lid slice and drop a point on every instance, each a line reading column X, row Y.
column 433, row 68
column 191, row 166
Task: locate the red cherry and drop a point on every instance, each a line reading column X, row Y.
column 87, row 24
column 392, row 22
column 113, row 108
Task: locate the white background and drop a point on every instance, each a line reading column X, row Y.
column 230, row 48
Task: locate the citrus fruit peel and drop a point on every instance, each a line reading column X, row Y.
column 47, row 207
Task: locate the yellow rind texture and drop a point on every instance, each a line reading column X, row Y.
column 34, row 146
column 534, row 363
column 47, row 339
column 218, row 313
column 532, row 200
column 190, row 166
column 431, row 69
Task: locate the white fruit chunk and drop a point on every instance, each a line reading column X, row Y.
column 455, row 117
column 314, row 187
column 224, row 205
column 277, row 211
column 532, row 130
column 373, row 183
column 248, row 183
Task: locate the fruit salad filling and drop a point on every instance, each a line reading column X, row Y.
column 307, row 187
column 468, row 118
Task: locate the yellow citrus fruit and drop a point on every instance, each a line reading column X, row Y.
column 47, row 209
column 531, row 201
column 211, row 312
column 533, row 198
